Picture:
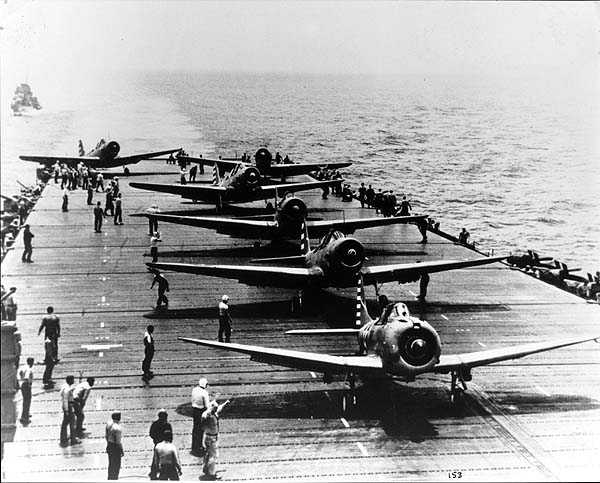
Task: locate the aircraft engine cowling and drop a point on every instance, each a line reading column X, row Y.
column 415, row 349
column 112, row 149
column 292, row 211
column 264, row 159
column 349, row 253
column 251, row 177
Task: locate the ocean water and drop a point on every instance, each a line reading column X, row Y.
column 516, row 161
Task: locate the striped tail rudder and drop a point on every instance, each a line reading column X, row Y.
column 362, row 314
column 81, row 150
column 216, row 178
column 304, row 240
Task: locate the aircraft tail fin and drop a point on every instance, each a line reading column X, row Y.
column 304, row 240
column 216, row 178
column 362, row 314
column 81, row 150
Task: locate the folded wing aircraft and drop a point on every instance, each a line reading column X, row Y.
column 242, row 185
column 266, row 167
column 104, row 155
column 394, row 346
column 285, row 223
column 336, row 262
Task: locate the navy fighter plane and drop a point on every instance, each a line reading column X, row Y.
column 266, row 167
column 104, row 155
column 396, row 346
column 336, row 262
column 242, row 185
column 285, row 223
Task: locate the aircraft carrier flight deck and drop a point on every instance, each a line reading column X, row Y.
column 535, row 418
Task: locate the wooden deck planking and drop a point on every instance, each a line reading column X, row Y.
column 284, row 423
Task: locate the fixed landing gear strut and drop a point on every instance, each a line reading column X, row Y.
column 349, row 396
column 456, row 391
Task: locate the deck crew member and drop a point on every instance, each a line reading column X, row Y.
column 148, row 354
column 109, row 205
column 423, row 287
column 182, row 174
column 80, row 396
column 118, row 218
column 27, row 237
column 362, row 195
column 404, row 208
column 66, row 396
column 65, row 200
column 193, row 171
column 10, row 306
column 463, row 237
column 210, row 424
column 90, row 194
column 224, row 319
column 51, row 324
column 98, row 217
column 99, row 182
column 49, row 361
column 26, row 378
column 369, row 196
column 114, row 447
column 200, row 401
column 163, row 286
column 152, row 222
column 166, row 460
column 157, row 432
column 154, row 246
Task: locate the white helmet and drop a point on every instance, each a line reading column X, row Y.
column 225, row 298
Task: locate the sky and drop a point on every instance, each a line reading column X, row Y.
column 307, row 36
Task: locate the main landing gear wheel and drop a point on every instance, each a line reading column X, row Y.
column 348, row 403
column 457, row 393
column 126, row 171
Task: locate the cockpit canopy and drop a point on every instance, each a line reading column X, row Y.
column 330, row 237
column 394, row 312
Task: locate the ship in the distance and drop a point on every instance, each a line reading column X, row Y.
column 24, row 100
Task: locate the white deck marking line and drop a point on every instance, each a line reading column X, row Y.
column 344, row 422
column 543, row 391
column 100, row 347
column 100, row 354
column 101, row 325
column 414, row 294
column 103, row 299
column 362, row 448
column 482, row 344
column 99, row 403
column 444, row 317
column 313, row 374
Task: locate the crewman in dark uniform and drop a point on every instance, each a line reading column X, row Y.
column 163, row 286
column 423, row 287
column 27, row 237
column 148, row 354
column 51, row 322
column 98, row 217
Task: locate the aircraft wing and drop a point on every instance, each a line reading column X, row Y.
column 70, row 161
column 226, row 164
column 257, row 276
column 228, row 226
column 412, row 271
column 322, row 227
column 282, row 188
column 208, row 193
column 481, row 358
column 308, row 361
column 134, row 158
column 302, row 168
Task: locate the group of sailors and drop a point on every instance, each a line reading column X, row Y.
column 15, row 211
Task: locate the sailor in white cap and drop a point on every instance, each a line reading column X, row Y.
column 152, row 222
column 200, row 402
column 224, row 319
